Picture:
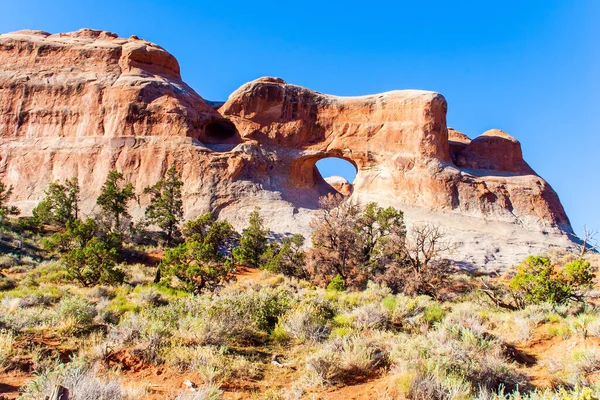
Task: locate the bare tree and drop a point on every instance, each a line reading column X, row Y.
column 589, row 241
column 426, row 242
column 335, row 240
column 425, row 271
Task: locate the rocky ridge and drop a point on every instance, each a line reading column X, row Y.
column 82, row 103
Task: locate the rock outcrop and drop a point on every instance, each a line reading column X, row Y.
column 82, row 103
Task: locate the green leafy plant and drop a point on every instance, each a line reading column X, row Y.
column 337, row 284
column 538, row 281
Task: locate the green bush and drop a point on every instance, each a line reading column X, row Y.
column 286, row 257
column 88, row 255
column 337, row 284
column 197, row 265
column 434, row 314
column 538, row 281
column 94, row 264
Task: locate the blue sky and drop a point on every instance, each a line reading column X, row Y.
column 531, row 68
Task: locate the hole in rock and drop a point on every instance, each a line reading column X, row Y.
column 338, row 173
column 220, row 132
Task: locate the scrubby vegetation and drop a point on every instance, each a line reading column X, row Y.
column 84, row 305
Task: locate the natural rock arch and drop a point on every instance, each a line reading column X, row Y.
column 306, row 175
column 260, row 147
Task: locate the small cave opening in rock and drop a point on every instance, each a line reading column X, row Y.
column 338, row 173
column 221, row 131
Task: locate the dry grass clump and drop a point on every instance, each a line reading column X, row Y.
column 576, row 367
column 346, row 359
column 76, row 315
column 457, row 358
column 205, row 392
column 308, row 321
column 7, row 342
column 215, row 365
column 81, row 380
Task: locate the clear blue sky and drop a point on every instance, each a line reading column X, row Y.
column 531, row 68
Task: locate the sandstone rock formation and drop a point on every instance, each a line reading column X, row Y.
column 340, row 184
column 82, row 103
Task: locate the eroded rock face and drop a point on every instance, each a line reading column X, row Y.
column 83, row 103
column 340, row 184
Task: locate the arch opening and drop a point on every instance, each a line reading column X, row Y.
column 221, row 131
column 337, row 173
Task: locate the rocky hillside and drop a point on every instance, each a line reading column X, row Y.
column 82, row 103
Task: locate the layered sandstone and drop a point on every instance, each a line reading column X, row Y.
column 82, row 103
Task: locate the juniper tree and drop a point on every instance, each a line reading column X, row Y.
column 166, row 207
column 253, row 241
column 88, row 255
column 61, row 203
column 113, row 199
column 204, row 261
column 5, row 193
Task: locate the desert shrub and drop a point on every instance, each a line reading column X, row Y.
column 408, row 313
column 49, row 272
column 252, row 314
column 6, row 283
column 17, row 319
column 8, row 260
column 337, row 284
column 576, row 368
column 456, row 357
column 149, row 297
column 31, row 296
column 77, row 315
column 7, row 342
column 421, row 385
column 308, row 321
column 434, row 314
column 369, row 316
column 79, row 378
column 538, row 281
column 215, row 365
column 141, row 335
column 208, row 391
column 347, row 358
column 233, row 315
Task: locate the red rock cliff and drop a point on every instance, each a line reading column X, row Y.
column 82, row 103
